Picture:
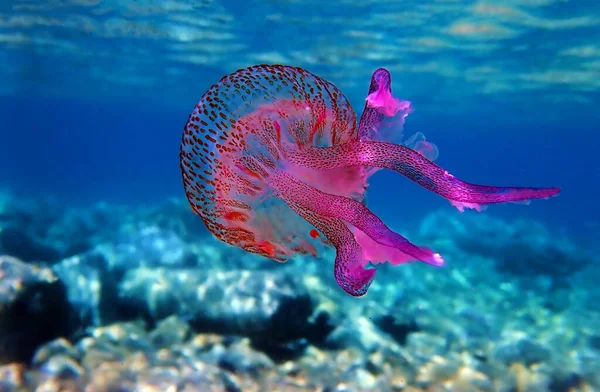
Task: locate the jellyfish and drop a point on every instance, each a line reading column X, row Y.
column 274, row 162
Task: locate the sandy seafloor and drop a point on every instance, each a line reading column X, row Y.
column 116, row 298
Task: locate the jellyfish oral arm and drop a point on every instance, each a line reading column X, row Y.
column 349, row 263
column 293, row 190
column 329, row 213
column 420, row 170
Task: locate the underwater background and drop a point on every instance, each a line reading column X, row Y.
column 109, row 282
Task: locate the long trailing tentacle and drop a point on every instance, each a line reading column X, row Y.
column 417, row 168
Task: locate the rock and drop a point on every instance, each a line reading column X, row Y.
column 399, row 325
column 128, row 337
column 32, row 216
column 588, row 363
column 360, row 333
column 12, row 378
column 19, row 244
column 91, row 287
column 93, row 277
column 468, row 379
column 79, row 229
column 147, row 247
column 33, row 309
column 594, row 341
column 176, row 216
column 425, row 346
column 238, row 357
column 62, row 367
column 372, row 328
column 476, row 324
column 57, row 347
column 437, row 370
column 169, row 332
column 266, row 306
column 526, row 379
column 569, row 382
column 522, row 248
column 44, row 230
column 522, row 349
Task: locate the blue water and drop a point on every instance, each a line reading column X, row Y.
column 95, row 94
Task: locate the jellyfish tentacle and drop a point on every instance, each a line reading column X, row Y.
column 348, row 210
column 417, row 168
column 349, row 270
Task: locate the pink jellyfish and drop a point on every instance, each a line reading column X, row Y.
column 274, row 163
